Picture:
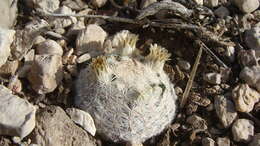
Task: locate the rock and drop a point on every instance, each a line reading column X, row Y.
column 243, row 130
column 90, row 40
column 223, row 141
column 39, row 39
column 6, row 38
column 208, row 142
column 213, row 78
column 256, row 140
column 17, row 116
column 9, row 68
column 247, row 58
column 49, row 47
column 184, row 64
column 8, row 9
column 222, row 12
column 245, row 98
column 230, row 53
column 75, row 5
column 199, row 2
column 43, row 5
column 252, row 39
column 83, row 119
column 5, row 141
column 98, row 3
column 211, row 3
column 251, row 75
column 63, row 22
column 55, row 128
column 45, row 73
column 146, row 3
column 197, row 122
column 247, row 6
column 83, row 58
column 225, row 110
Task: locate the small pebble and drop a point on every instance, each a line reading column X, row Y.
column 243, row 130
column 252, row 39
column 197, row 122
column 213, row 78
column 184, row 64
column 221, row 12
column 83, row 58
column 208, row 142
column 223, row 141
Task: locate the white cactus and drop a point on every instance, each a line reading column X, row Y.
column 130, row 100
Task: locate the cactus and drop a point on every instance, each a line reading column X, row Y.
column 131, row 99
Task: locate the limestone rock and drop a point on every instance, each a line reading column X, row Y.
column 90, row 40
column 83, row 119
column 45, row 73
column 8, row 13
column 6, row 38
column 243, row 130
column 245, row 98
column 49, row 47
column 256, row 140
column 251, row 75
column 225, row 110
column 55, row 128
column 17, row 116
column 247, row 6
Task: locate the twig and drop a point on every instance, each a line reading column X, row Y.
column 190, row 81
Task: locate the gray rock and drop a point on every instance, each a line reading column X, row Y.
column 243, row 130
column 208, row 142
column 211, row 3
column 8, row 13
column 256, row 140
column 63, row 22
column 247, row 58
column 197, row 122
column 223, row 141
column 6, row 38
column 83, row 119
column 199, row 2
column 5, row 141
column 17, row 116
column 45, row 73
column 55, row 128
column 213, row 78
column 146, row 3
column 184, row 64
column 221, row 12
column 251, row 75
column 43, row 5
column 252, row 39
column 98, row 3
column 225, row 110
column 49, row 47
column 247, row 6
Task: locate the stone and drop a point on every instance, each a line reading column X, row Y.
column 39, row 39
column 213, row 78
column 211, row 3
column 45, row 73
column 5, row 141
column 256, row 140
column 63, row 22
column 83, row 58
column 197, row 122
column 247, row 58
column 55, row 128
column 247, row 6
column 98, row 3
column 184, row 64
column 230, row 53
column 75, row 5
column 9, row 68
column 83, row 119
column 223, row 141
column 208, row 142
column 6, row 39
column 146, row 3
column 17, row 116
column 90, row 40
column 245, row 98
column 243, row 130
column 251, row 75
column 50, row 47
column 43, row 5
column 225, row 110
column 199, row 2
column 8, row 13
column 222, row 12
column 252, row 39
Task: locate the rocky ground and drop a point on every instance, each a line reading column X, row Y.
column 45, row 43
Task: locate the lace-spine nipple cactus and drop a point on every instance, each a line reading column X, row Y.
column 131, row 99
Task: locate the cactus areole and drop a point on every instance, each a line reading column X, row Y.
column 129, row 96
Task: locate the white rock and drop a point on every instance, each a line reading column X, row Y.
column 90, row 40
column 247, row 6
column 225, row 110
column 221, row 12
column 245, row 98
column 8, row 9
column 199, row 2
column 45, row 73
column 208, row 142
column 83, row 58
column 39, row 39
column 44, row 5
column 213, row 78
column 17, row 116
column 223, row 141
column 251, row 75
column 6, row 38
column 82, row 118
column 146, row 3
column 211, row 3
column 49, row 47
column 256, row 140
column 63, row 22
column 252, row 39
column 243, row 130
column 230, row 53
column 98, row 3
